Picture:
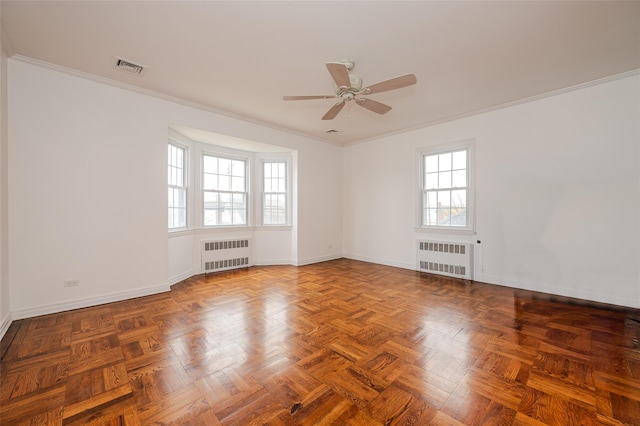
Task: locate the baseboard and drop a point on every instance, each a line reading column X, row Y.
column 402, row 265
column 272, row 262
column 560, row 291
column 88, row 302
column 313, row 260
column 5, row 324
column 181, row 277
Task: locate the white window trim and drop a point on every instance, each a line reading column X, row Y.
column 232, row 155
column 468, row 144
column 186, row 180
column 262, row 158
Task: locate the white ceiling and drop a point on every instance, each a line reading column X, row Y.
column 240, row 58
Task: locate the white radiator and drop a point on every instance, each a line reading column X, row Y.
column 223, row 255
column 445, row 258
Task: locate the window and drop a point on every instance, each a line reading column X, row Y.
column 445, row 184
column 274, row 195
column 224, row 187
column 177, row 196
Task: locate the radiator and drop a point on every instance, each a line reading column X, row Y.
column 223, row 255
column 445, row 258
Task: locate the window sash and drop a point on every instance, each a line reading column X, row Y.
column 274, row 193
column 446, row 189
column 177, row 188
column 224, row 189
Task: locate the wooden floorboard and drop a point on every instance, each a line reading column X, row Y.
column 341, row 342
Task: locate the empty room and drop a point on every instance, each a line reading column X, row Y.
column 320, row 212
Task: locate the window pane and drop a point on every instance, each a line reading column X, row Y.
column 179, row 177
column 459, row 179
column 431, row 181
column 459, row 198
column 210, row 200
column 267, row 185
column 210, row 181
column 459, row 217
column 238, row 168
column 444, row 161
column 237, row 184
column 431, row 199
column 238, row 201
column 224, row 183
column 210, row 164
column 431, row 216
column 459, row 160
column 224, row 166
column 444, row 199
column 431, row 163
column 444, row 180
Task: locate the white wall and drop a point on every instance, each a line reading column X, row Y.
column 557, row 191
column 558, row 197
column 5, row 306
column 87, row 196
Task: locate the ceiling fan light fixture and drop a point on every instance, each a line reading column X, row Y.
column 348, row 87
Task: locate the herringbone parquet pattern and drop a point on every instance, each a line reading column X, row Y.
column 341, row 342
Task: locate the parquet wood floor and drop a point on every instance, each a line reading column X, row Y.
column 341, row 342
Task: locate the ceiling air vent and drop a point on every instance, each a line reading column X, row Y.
column 124, row 65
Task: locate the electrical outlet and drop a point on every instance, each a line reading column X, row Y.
column 72, row 283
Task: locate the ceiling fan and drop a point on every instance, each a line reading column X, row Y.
column 348, row 87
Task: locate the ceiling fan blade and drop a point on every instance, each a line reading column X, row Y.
column 339, row 73
column 391, row 84
column 374, row 106
column 333, row 111
column 304, row 98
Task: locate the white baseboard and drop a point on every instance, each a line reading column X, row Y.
column 560, row 291
column 5, row 324
column 313, row 260
column 181, row 277
column 402, row 265
column 272, row 262
column 90, row 301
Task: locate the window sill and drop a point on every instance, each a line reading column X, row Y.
column 274, row 228
column 180, row 232
column 450, row 231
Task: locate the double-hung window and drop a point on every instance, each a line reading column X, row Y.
column 274, row 194
column 224, row 184
column 177, row 196
column 446, row 188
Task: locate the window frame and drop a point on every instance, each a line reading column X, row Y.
column 184, row 187
column 274, row 158
column 469, row 146
column 247, row 188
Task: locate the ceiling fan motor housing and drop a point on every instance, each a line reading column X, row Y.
column 355, row 82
